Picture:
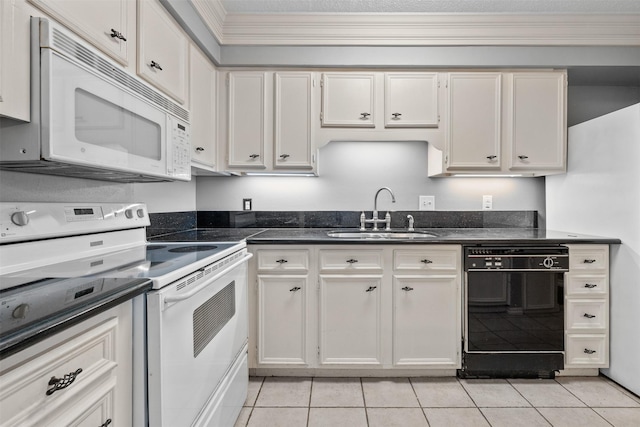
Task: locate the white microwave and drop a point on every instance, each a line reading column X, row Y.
column 91, row 119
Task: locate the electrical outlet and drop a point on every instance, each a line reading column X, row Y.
column 487, row 203
column 246, row 204
column 427, row 203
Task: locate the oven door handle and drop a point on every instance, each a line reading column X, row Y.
column 175, row 298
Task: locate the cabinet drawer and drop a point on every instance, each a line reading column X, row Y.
column 430, row 259
column 586, row 285
column 588, row 258
column 586, row 314
column 588, row 351
column 23, row 390
column 283, row 260
column 350, row 260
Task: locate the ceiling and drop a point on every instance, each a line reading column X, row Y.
column 432, row 6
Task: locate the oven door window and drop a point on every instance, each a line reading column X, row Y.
column 515, row 311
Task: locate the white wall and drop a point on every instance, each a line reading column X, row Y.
column 352, row 172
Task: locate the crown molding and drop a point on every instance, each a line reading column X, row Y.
column 420, row 29
column 213, row 14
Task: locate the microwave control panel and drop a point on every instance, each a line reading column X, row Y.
column 179, row 161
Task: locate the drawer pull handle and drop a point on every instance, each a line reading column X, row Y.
column 371, row 288
column 588, row 351
column 396, row 116
column 351, row 261
column 590, row 285
column 281, row 261
column 492, row 157
column 60, row 383
column 106, row 423
column 523, row 158
column 426, row 261
column 364, row 116
column 199, row 149
column 589, row 316
column 155, row 65
column 284, row 156
column 407, row 288
column 117, row 35
column 589, row 261
column 295, row 289
column 254, row 156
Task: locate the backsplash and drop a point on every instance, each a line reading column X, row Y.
column 178, row 221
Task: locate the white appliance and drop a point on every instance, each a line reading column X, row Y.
column 190, row 329
column 91, row 119
column 600, row 194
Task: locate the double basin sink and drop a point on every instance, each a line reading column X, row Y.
column 380, row 235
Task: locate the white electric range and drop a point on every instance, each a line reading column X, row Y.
column 60, row 258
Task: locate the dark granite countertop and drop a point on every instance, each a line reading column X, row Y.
column 441, row 236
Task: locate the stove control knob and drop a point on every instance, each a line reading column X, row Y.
column 140, row 213
column 128, row 213
column 20, row 218
column 20, row 312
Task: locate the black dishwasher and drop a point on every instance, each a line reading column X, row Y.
column 514, row 311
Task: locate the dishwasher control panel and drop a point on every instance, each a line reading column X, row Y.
column 530, row 258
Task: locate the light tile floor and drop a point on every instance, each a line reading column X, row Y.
column 408, row 402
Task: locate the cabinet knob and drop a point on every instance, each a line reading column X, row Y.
column 589, row 285
column 284, row 156
column 364, row 116
column 199, row 149
column 117, row 35
column 523, row 157
column 351, row 261
column 155, row 65
column 426, row 261
column 407, row 288
column 254, row 156
column 589, row 351
column 589, row 316
column 281, row 261
column 295, row 289
column 588, row 261
column 396, row 116
column 371, row 288
column 492, row 157
column 64, row 382
column 106, row 423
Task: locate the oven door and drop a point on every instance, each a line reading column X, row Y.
column 514, row 312
column 195, row 333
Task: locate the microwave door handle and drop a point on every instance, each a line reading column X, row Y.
column 175, row 298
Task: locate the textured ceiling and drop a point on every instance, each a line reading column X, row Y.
column 432, row 6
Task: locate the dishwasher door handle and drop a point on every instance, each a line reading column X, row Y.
column 175, row 298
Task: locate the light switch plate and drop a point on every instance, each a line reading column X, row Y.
column 427, row 203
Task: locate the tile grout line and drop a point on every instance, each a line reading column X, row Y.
column 309, row 406
column 532, row 405
column 364, row 402
column 424, row 414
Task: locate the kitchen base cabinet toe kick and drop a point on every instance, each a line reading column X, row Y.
column 326, row 310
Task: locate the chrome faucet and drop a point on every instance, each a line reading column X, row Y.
column 375, row 221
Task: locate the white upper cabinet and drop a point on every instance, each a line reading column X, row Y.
column 14, row 61
column 202, row 97
column 411, row 100
column 348, row 99
column 162, row 50
column 538, row 121
column 246, row 120
column 292, row 120
column 110, row 25
column 474, row 127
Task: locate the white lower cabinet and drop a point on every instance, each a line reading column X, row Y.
column 364, row 307
column 81, row 376
column 587, row 307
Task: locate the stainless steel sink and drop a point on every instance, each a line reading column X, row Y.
column 380, row 235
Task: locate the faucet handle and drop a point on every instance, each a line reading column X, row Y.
column 410, row 228
column 387, row 220
column 362, row 221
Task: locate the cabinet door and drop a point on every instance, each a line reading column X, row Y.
column 162, row 50
column 350, row 313
column 538, row 122
column 293, row 101
column 110, row 25
column 202, row 96
column 411, row 100
column 473, row 133
column 282, row 319
column 247, row 115
column 426, row 321
column 14, row 61
column 348, row 99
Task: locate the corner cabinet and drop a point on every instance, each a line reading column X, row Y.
column 363, row 308
column 162, row 50
column 587, row 307
column 503, row 124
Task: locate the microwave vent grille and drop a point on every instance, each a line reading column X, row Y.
column 73, row 49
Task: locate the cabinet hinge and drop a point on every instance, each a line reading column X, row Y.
column 322, row 82
column 226, row 80
column 438, row 118
column 321, row 115
column 438, row 84
column 318, row 352
column 446, row 159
